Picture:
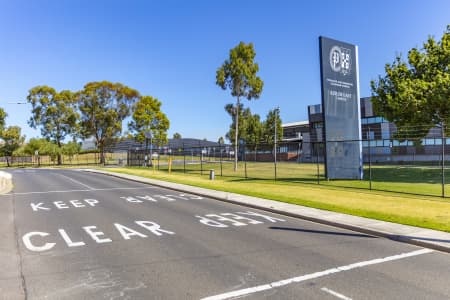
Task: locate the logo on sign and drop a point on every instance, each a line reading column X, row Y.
column 340, row 60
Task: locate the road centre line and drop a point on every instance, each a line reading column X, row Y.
column 76, row 181
column 336, row 294
column 71, row 191
column 276, row 284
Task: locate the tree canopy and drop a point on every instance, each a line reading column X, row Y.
column 177, row 135
column 239, row 75
column 415, row 94
column 54, row 112
column 272, row 120
column 103, row 107
column 148, row 118
column 12, row 140
column 3, row 115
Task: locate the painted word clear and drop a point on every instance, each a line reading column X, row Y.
column 237, row 219
column 38, row 241
column 156, row 198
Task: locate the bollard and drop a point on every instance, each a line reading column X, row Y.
column 211, row 174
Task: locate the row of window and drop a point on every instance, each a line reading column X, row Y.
column 396, row 143
column 373, row 120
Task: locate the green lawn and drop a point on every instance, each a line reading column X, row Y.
column 297, row 184
column 425, row 180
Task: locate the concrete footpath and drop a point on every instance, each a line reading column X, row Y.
column 5, row 182
column 427, row 238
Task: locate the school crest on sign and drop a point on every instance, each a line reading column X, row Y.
column 341, row 60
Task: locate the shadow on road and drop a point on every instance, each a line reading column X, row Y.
column 408, row 237
column 323, row 232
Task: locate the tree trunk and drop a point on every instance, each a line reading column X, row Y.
column 7, row 162
column 102, row 155
column 236, row 136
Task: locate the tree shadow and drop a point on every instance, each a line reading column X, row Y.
column 408, row 237
column 324, row 232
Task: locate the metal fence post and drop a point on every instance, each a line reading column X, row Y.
column 370, row 160
column 184, row 159
column 317, row 161
column 201, row 161
column 443, row 159
column 275, row 158
column 221, row 162
column 245, row 161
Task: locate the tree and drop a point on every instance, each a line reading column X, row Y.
column 176, row 135
column 415, row 95
column 3, row 116
column 34, row 145
column 231, row 110
column 148, row 118
column 254, row 132
column 71, row 148
column 104, row 106
column 238, row 74
column 54, row 112
column 12, row 140
column 272, row 119
column 221, row 141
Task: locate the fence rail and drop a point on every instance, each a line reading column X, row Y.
column 408, row 167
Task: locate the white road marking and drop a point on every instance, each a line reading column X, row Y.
column 340, row 296
column 280, row 283
column 71, row 191
column 76, row 181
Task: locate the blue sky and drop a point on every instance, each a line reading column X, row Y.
column 171, row 50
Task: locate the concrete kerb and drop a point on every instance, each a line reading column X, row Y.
column 5, row 182
column 326, row 217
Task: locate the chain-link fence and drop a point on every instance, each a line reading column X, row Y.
column 84, row 159
column 416, row 166
column 410, row 166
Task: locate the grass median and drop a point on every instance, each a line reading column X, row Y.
column 422, row 211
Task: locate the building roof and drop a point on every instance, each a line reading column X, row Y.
column 300, row 123
column 128, row 144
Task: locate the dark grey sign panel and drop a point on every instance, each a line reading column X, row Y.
column 341, row 109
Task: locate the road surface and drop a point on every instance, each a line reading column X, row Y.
column 77, row 235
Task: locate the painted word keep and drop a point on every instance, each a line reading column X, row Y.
column 63, row 205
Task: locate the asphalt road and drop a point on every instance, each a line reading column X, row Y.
column 68, row 234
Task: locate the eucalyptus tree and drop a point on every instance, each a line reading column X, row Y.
column 232, row 111
column 54, row 113
column 254, row 132
column 148, row 118
column 11, row 141
column 239, row 75
column 104, row 106
column 3, row 116
column 415, row 94
column 272, row 126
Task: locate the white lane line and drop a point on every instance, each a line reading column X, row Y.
column 71, row 191
column 76, row 181
column 336, row 294
column 276, row 284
